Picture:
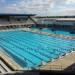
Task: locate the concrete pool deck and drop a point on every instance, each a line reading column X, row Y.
column 42, row 33
column 61, row 63
column 5, row 57
column 48, row 34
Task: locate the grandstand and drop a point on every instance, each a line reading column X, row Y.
column 16, row 20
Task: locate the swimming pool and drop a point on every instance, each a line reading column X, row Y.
column 30, row 50
column 58, row 31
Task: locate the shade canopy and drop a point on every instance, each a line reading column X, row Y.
column 17, row 14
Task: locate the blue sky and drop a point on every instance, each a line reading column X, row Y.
column 39, row 7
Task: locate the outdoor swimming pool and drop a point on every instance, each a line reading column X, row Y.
column 58, row 31
column 30, row 49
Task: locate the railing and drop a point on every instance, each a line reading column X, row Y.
column 53, row 67
column 56, row 67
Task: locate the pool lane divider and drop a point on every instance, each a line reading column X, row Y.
column 48, row 34
column 43, row 33
column 10, row 62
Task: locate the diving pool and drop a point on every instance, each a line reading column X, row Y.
column 30, row 49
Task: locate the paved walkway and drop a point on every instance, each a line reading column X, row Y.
column 61, row 63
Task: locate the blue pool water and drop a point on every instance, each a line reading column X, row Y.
column 30, row 49
column 58, row 31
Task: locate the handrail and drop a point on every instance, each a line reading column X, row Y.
column 56, row 67
column 53, row 67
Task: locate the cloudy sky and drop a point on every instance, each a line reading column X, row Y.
column 39, row 7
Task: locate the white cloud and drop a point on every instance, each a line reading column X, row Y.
column 40, row 7
column 37, row 7
column 67, row 11
column 70, row 1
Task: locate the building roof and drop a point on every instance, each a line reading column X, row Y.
column 66, row 19
column 17, row 14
